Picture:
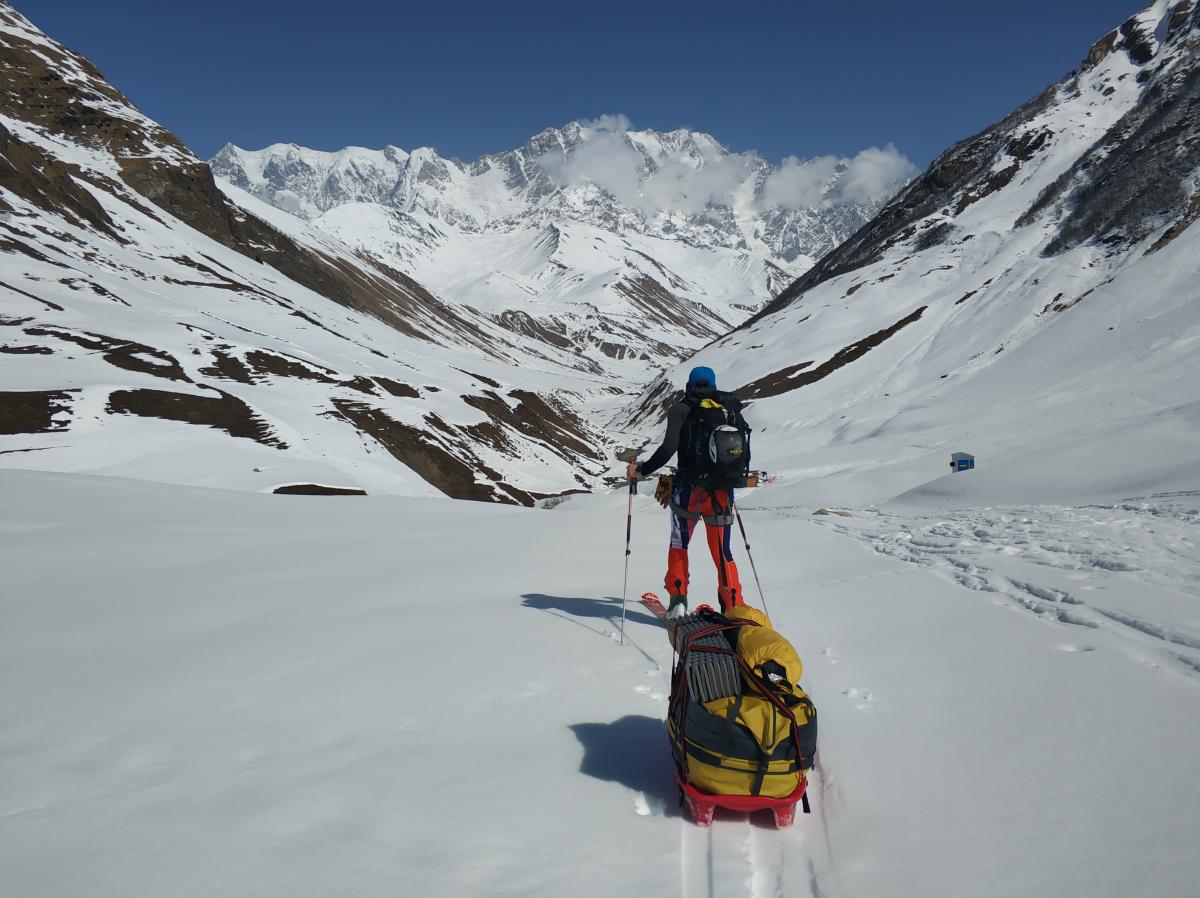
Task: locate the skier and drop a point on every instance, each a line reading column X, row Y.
column 711, row 438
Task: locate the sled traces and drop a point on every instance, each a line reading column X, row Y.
column 696, row 861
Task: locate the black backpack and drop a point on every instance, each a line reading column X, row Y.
column 716, row 451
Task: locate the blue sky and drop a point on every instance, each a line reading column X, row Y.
column 789, row 78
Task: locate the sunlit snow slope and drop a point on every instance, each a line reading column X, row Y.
column 1032, row 299
column 151, row 329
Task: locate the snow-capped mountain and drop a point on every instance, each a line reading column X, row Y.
column 152, row 329
column 1033, row 299
column 682, row 185
column 629, row 246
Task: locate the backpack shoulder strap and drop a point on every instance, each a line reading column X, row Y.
column 731, row 402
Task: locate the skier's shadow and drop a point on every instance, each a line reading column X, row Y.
column 635, row 752
column 606, row 609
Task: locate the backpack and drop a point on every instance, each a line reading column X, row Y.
column 716, row 452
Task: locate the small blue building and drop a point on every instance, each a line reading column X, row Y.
column 962, row 461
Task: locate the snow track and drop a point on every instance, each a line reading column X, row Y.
column 749, row 856
column 1128, row 569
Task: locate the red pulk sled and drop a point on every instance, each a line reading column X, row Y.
column 742, row 735
column 701, row 805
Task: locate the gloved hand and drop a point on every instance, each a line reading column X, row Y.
column 666, row 486
column 631, row 471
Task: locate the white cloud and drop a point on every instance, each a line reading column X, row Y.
column 604, row 158
column 616, row 123
column 874, row 173
column 607, row 158
column 683, row 185
column 799, row 183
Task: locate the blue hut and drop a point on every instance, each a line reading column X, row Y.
column 962, row 461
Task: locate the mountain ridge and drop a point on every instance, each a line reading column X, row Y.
column 310, row 182
column 586, row 233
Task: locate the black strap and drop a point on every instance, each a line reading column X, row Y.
column 735, row 708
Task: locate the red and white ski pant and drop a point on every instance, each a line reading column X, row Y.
column 716, row 509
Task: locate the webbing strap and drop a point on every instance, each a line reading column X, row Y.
column 694, row 750
column 679, row 685
column 683, row 512
column 751, row 676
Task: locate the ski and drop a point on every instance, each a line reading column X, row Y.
column 651, row 601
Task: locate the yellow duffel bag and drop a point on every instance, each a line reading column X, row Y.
column 759, row 742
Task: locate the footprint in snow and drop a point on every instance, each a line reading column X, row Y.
column 648, row 690
column 1068, row 647
column 830, row 655
column 863, row 697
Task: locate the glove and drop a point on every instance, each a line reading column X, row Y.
column 666, row 486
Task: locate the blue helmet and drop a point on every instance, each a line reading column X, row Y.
column 702, row 377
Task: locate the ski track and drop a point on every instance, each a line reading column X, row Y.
column 1027, row 557
column 749, row 855
column 696, row 860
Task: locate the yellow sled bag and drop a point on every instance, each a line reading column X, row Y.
column 759, row 736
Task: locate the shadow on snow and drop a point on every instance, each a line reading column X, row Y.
column 635, row 752
column 607, row 609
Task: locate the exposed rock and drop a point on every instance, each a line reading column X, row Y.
column 33, row 411
column 224, row 412
column 1141, row 176
column 1139, row 43
column 1101, row 49
column 127, row 354
column 419, row 451
column 316, row 489
column 395, row 388
column 797, row 376
column 46, row 182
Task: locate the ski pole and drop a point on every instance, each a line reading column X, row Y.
column 757, row 582
column 628, row 537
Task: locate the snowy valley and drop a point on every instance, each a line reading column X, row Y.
column 209, row 689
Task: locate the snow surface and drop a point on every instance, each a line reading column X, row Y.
column 217, row 693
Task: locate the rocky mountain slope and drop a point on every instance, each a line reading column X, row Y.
column 634, row 246
column 150, row 328
column 1031, row 298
